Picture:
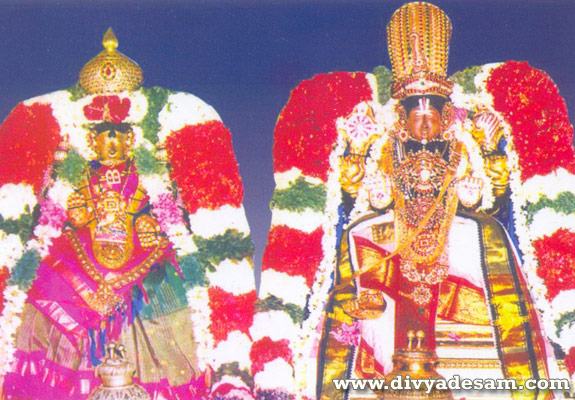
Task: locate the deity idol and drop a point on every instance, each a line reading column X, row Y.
column 401, row 199
column 122, row 223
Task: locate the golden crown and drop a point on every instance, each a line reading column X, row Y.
column 418, row 41
column 110, row 71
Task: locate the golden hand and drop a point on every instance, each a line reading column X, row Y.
column 369, row 305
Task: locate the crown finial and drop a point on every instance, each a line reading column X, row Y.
column 110, row 71
column 110, row 42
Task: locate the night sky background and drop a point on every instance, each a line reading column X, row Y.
column 244, row 57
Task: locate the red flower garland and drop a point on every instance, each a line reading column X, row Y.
column 230, row 313
column 28, row 138
column 556, row 261
column 294, row 252
column 266, row 350
column 4, row 275
column 306, row 131
column 570, row 361
column 537, row 114
column 108, row 109
column 204, row 166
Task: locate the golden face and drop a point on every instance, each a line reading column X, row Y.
column 424, row 122
column 112, row 146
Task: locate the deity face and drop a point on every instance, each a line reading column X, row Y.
column 424, row 122
column 112, row 145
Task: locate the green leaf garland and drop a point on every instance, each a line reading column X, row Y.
column 233, row 369
column 194, row 271
column 300, row 196
column 146, row 162
column 76, row 92
column 157, row 99
column 567, row 318
column 231, row 245
column 273, row 303
column 21, row 226
column 24, row 272
column 72, row 168
column 466, row 79
column 564, row 203
column 384, row 79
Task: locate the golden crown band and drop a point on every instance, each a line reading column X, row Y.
column 422, row 83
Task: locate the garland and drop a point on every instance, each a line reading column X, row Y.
column 300, row 254
column 19, row 133
column 72, row 168
column 542, row 164
column 157, row 99
column 214, row 181
column 296, row 313
column 305, row 133
column 564, row 203
column 300, row 196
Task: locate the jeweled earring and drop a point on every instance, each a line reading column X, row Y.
column 447, row 116
column 401, row 123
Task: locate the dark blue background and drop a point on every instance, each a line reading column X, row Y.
column 244, row 57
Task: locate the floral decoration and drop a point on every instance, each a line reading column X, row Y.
column 537, row 114
column 4, row 274
column 108, row 109
column 556, row 261
column 305, row 132
column 266, row 350
column 347, row 333
column 214, row 180
column 230, row 312
column 294, row 252
column 32, row 130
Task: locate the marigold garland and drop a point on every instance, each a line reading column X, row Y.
column 214, row 180
column 28, row 138
column 537, row 114
column 266, row 350
column 556, row 261
column 230, row 312
column 305, row 132
column 294, row 252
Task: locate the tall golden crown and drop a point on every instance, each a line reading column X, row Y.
column 110, row 71
column 418, row 41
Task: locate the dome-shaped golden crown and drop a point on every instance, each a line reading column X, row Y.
column 418, row 37
column 110, row 71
